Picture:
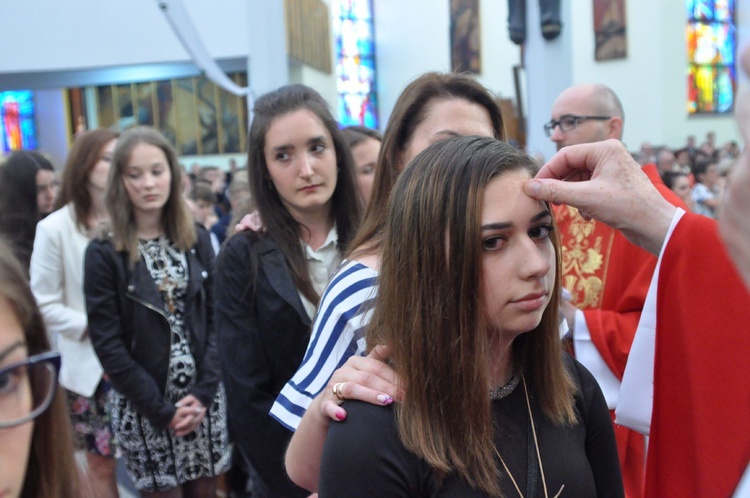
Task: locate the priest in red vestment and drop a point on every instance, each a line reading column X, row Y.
column 607, row 276
column 700, row 425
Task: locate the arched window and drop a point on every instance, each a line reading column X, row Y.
column 712, row 46
column 355, row 62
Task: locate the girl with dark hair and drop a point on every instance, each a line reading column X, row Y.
column 302, row 181
column 432, row 108
column 36, row 451
column 148, row 287
column 468, row 303
column 57, row 283
column 19, row 208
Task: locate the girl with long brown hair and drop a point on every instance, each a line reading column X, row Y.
column 36, row 450
column 148, row 286
column 468, row 304
column 57, row 283
column 431, row 108
column 302, row 181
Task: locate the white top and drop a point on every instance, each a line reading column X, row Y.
column 57, row 283
column 321, row 263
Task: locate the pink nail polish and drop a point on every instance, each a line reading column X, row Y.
column 385, row 399
column 340, row 415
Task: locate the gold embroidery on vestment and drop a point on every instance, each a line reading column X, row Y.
column 582, row 260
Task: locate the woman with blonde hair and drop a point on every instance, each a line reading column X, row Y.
column 148, row 286
column 468, row 303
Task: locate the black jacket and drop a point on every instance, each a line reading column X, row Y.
column 129, row 329
column 263, row 332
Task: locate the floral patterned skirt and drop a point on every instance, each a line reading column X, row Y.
column 91, row 419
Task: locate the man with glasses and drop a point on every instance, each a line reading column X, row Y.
column 607, row 276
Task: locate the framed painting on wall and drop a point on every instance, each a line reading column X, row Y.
column 610, row 30
column 465, row 36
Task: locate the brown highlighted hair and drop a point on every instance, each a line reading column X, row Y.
column 52, row 471
column 410, row 110
column 176, row 219
column 429, row 311
column 84, row 154
column 279, row 223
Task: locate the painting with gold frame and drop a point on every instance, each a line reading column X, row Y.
column 193, row 113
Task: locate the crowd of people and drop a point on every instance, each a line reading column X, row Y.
column 424, row 312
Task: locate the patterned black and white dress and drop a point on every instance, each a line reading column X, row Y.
column 158, row 460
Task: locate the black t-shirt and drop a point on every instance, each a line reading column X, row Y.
column 363, row 456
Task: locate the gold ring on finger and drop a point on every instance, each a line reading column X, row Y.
column 338, row 390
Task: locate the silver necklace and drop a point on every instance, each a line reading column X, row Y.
column 500, row 392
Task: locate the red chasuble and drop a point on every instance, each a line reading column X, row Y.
column 609, row 278
column 700, row 427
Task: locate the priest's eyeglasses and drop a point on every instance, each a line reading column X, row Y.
column 568, row 122
column 27, row 388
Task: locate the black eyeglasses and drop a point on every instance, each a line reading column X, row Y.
column 27, row 388
column 568, row 122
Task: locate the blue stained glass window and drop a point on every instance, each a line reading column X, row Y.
column 355, row 62
column 17, row 126
column 712, row 45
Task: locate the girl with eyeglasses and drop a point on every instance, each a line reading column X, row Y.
column 36, row 450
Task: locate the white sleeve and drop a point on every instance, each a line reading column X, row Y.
column 637, row 391
column 589, row 356
column 47, row 284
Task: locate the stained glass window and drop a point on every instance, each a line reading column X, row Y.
column 17, row 126
column 355, row 62
column 711, row 44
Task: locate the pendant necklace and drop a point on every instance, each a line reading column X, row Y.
column 536, row 442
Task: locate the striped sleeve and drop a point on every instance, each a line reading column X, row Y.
column 338, row 333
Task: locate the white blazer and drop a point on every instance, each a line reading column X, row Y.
column 57, row 283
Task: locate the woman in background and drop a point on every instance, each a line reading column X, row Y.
column 679, row 183
column 57, row 283
column 365, row 146
column 19, row 204
column 36, row 451
column 303, row 184
column 148, row 287
column 468, row 303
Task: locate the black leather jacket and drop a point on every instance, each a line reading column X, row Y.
column 129, row 329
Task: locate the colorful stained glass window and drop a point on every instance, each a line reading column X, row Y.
column 711, row 44
column 17, row 126
column 355, row 62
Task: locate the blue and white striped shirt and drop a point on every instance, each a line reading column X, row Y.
column 338, row 333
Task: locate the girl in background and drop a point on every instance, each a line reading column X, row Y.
column 148, row 286
column 19, row 202
column 303, row 184
column 365, row 146
column 57, row 283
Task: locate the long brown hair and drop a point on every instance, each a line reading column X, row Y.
column 52, row 471
column 410, row 110
column 429, row 310
column 83, row 156
column 176, row 219
column 280, row 224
